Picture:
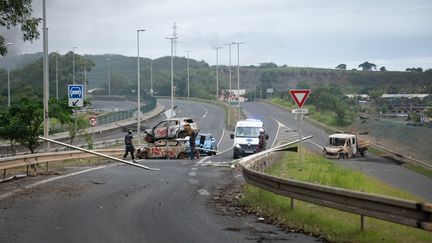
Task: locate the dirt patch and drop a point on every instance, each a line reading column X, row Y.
column 261, row 228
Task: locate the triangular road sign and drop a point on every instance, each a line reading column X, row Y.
column 300, row 96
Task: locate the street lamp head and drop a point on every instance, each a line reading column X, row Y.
column 8, row 44
column 141, row 30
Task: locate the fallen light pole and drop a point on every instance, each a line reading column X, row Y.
column 99, row 154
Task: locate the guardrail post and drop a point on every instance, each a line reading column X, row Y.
column 46, row 167
column 292, row 203
column 362, row 219
column 4, row 174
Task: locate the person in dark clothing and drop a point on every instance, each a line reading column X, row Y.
column 261, row 141
column 192, row 145
column 129, row 146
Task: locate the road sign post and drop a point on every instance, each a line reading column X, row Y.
column 93, row 123
column 76, row 94
column 300, row 96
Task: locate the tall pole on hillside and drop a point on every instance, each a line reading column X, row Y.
column 217, row 72
column 172, row 75
column 229, row 69
column 73, row 64
column 139, row 89
column 56, row 64
column 46, row 79
column 188, row 74
column 8, row 77
column 109, row 75
column 151, row 77
column 238, row 74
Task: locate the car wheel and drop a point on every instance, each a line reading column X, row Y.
column 182, row 134
column 182, row 156
column 235, row 155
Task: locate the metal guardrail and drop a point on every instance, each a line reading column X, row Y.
column 30, row 159
column 405, row 212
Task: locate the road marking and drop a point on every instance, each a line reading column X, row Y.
column 194, row 168
column 280, row 124
column 193, row 181
column 3, row 196
column 193, row 173
column 203, row 192
column 220, row 140
column 312, row 142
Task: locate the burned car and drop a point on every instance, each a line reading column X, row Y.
column 169, row 129
column 163, row 149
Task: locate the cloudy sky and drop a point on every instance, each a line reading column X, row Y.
column 396, row 34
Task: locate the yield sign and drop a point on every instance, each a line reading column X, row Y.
column 300, row 96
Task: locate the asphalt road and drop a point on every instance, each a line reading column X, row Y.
column 119, row 203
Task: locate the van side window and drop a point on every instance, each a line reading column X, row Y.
column 354, row 141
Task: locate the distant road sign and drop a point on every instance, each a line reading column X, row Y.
column 76, row 95
column 93, row 121
column 300, row 96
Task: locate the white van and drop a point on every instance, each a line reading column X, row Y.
column 246, row 137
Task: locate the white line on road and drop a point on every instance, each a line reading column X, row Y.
column 193, row 173
column 203, row 192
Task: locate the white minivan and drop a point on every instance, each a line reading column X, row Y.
column 246, row 137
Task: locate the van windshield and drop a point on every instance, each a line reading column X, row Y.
column 247, row 132
column 337, row 141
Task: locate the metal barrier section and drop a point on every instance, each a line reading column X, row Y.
column 405, row 212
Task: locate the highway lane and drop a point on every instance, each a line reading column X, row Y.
column 126, row 204
column 383, row 169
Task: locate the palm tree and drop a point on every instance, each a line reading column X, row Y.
column 367, row 66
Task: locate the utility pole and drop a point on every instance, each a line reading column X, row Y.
column 172, row 75
column 217, row 72
column 188, row 75
column 57, row 53
column 238, row 74
column 139, row 89
column 45, row 79
column 229, row 72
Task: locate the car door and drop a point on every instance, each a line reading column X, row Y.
column 160, row 131
column 172, row 149
column 158, row 150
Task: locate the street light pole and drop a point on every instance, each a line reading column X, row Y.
column 238, row 73
column 172, row 76
column 73, row 64
column 217, row 72
column 45, row 79
column 139, row 89
column 109, row 76
column 188, row 76
column 230, row 44
column 8, row 76
column 56, row 64
column 151, row 77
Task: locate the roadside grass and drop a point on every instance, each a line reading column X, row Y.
column 334, row 225
column 419, row 169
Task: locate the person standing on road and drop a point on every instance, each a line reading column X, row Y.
column 261, row 141
column 192, row 136
column 129, row 146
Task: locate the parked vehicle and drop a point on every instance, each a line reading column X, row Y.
column 163, row 149
column 343, row 146
column 205, row 143
column 246, row 137
column 169, row 129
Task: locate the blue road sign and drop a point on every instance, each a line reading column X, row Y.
column 76, row 95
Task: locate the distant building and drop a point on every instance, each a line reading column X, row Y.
column 409, row 96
